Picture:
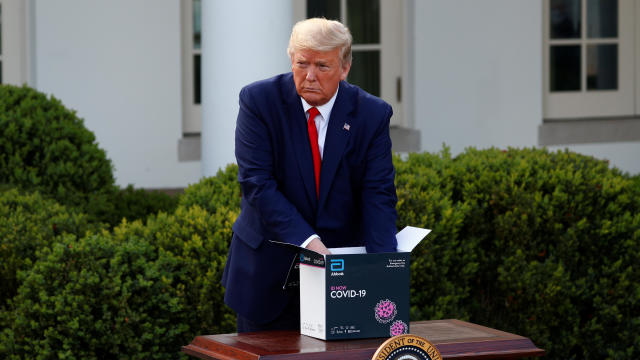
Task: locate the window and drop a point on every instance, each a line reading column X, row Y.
column 363, row 19
column 191, row 54
column 376, row 27
column 589, row 65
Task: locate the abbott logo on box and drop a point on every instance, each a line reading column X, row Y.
column 337, row 267
column 337, row 264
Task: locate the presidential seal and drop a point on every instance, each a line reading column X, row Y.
column 407, row 347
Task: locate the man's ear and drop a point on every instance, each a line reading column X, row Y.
column 345, row 71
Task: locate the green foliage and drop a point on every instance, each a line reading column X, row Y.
column 133, row 204
column 425, row 198
column 217, row 191
column 199, row 242
column 28, row 223
column 79, row 301
column 95, row 298
column 542, row 244
column 45, row 147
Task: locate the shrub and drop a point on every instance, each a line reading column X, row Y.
column 537, row 243
column 542, row 244
column 199, row 241
column 133, row 204
column 95, row 298
column 425, row 198
column 28, row 223
column 45, row 147
column 222, row 190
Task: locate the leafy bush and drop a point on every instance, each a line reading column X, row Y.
column 199, row 241
column 28, row 223
column 133, row 204
column 222, row 190
column 541, row 244
column 425, row 198
column 45, row 147
column 95, row 298
column 537, row 243
column 81, row 301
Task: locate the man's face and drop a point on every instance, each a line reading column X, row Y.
column 317, row 74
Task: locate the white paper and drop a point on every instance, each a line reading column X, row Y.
column 348, row 250
column 409, row 237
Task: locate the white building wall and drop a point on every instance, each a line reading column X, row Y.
column 478, row 78
column 117, row 63
column 478, row 73
column 623, row 155
column 477, row 68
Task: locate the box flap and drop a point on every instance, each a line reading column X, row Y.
column 312, row 258
column 409, row 237
column 293, row 276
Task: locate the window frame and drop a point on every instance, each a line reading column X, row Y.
column 594, row 103
column 390, row 47
column 191, row 112
column 14, row 59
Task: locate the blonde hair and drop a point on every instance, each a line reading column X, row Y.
column 320, row 34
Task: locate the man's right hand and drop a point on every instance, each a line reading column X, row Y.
column 318, row 246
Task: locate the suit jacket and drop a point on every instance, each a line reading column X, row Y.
column 357, row 198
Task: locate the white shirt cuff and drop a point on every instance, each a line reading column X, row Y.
column 306, row 242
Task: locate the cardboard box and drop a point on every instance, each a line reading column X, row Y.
column 351, row 294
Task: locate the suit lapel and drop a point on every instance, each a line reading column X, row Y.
column 337, row 137
column 300, row 138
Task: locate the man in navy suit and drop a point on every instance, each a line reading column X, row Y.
column 315, row 168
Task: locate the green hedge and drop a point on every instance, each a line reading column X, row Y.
column 28, row 223
column 46, row 147
column 214, row 192
column 199, row 240
column 133, row 204
column 541, row 244
column 140, row 291
column 96, row 298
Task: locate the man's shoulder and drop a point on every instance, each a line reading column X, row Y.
column 363, row 98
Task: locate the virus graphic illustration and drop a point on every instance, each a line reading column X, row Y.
column 385, row 311
column 398, row 328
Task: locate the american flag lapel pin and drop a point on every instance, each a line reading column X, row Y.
column 346, row 126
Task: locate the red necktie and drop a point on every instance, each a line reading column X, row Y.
column 315, row 150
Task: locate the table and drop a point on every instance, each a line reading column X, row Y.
column 455, row 339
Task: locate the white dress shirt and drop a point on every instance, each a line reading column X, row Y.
column 322, row 122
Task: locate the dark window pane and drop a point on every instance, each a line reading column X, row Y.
column 196, row 79
column 365, row 71
column 197, row 27
column 564, row 19
column 602, row 67
column 0, row 72
column 363, row 19
column 329, row 9
column 564, row 63
column 602, row 18
column 0, row 28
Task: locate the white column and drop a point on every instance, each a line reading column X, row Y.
column 242, row 41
